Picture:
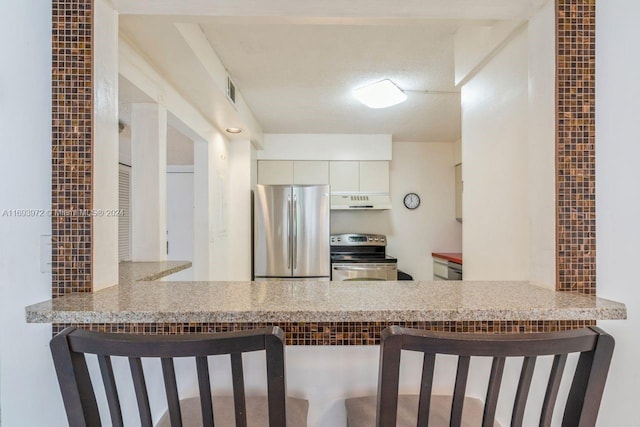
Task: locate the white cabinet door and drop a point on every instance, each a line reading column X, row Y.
column 374, row 177
column 440, row 269
column 275, row 172
column 458, row 169
column 344, row 176
column 310, row 172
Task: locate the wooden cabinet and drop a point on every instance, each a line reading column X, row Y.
column 458, row 172
column 287, row 172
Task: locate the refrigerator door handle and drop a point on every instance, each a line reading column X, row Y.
column 295, row 232
column 289, row 232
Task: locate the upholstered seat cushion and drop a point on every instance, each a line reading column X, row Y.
column 361, row 411
column 224, row 412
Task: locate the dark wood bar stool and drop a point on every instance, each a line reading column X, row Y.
column 275, row 410
column 388, row 409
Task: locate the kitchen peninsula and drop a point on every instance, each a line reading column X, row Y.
column 139, row 298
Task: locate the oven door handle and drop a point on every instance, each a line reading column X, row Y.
column 374, row 267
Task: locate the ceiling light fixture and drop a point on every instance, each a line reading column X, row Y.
column 381, row 94
column 233, row 130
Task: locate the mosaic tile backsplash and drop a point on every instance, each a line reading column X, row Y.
column 71, row 145
column 575, row 146
column 334, row 333
column 72, row 141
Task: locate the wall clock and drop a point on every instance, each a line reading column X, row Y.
column 411, row 201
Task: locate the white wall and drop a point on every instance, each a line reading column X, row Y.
column 541, row 147
column 508, row 157
column 617, row 201
column 425, row 169
column 28, row 388
column 26, row 373
column 494, row 167
column 106, row 146
column 476, row 44
column 326, row 147
column 220, row 246
column 240, row 177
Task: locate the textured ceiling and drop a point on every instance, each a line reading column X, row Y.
column 297, row 75
column 296, row 62
column 298, row 78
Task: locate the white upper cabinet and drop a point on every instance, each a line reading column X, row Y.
column 287, row 172
column 275, row 172
column 359, row 177
column 374, row 177
column 307, row 172
column 345, row 176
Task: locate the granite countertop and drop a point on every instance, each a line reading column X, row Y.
column 135, row 300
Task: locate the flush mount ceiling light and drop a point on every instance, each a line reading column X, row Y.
column 233, row 130
column 382, row 94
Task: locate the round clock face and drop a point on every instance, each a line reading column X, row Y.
column 411, row 200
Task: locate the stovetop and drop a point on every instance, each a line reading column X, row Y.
column 360, row 248
column 362, row 259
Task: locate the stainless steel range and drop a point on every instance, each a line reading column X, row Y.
column 361, row 257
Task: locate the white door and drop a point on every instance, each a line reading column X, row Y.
column 180, row 220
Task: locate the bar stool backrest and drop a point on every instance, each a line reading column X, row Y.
column 594, row 345
column 69, row 347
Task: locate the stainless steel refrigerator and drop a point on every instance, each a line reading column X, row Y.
column 291, row 236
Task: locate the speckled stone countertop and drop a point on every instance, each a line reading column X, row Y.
column 289, row 301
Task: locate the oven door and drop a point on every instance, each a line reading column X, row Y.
column 363, row 271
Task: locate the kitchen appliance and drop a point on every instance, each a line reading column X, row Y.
column 360, row 201
column 291, row 235
column 361, row 257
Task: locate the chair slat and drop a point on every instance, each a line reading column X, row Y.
column 524, row 385
column 204, row 386
column 388, row 380
column 550, row 396
column 459, row 391
column 238, row 390
column 277, row 387
column 140, row 387
column 493, row 392
column 75, row 383
column 171, row 389
column 109, row 381
column 583, row 402
column 424, row 405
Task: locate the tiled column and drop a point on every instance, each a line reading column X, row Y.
column 575, row 147
column 149, row 182
column 71, row 145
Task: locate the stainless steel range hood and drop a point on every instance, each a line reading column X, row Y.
column 360, row 201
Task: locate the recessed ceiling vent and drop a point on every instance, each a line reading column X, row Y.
column 231, row 91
